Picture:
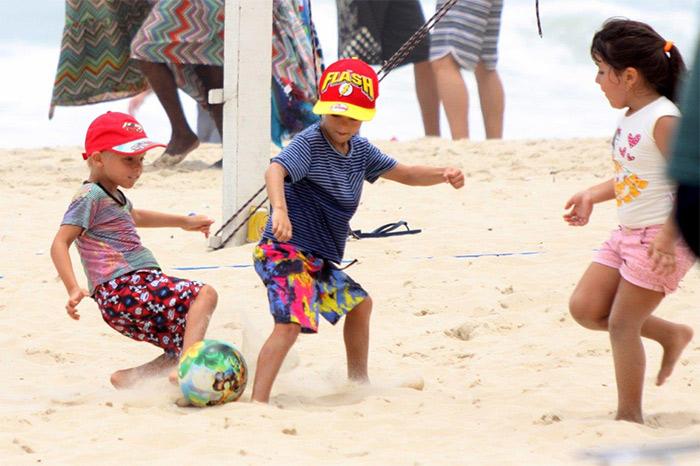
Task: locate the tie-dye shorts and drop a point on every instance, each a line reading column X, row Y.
column 301, row 286
column 148, row 305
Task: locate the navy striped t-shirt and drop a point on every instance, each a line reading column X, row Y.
column 323, row 189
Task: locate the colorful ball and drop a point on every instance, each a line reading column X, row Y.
column 212, row 372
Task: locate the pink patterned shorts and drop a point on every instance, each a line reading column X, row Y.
column 626, row 250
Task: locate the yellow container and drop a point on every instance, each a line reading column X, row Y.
column 256, row 223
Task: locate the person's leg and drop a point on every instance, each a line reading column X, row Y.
column 453, row 95
column 213, row 78
column 160, row 366
column 591, row 303
column 672, row 337
column 356, row 336
column 492, row 99
column 198, row 317
column 182, row 140
column 271, row 357
column 592, row 299
column 395, row 23
column 428, row 98
column 631, row 309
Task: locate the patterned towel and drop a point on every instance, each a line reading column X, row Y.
column 94, row 64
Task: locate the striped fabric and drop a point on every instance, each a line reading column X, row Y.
column 183, row 33
column 94, row 63
column 296, row 67
column 468, row 31
column 292, row 53
column 324, row 189
column 191, row 32
column 100, row 36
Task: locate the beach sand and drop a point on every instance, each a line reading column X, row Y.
column 474, row 357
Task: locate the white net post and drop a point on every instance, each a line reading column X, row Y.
column 246, row 97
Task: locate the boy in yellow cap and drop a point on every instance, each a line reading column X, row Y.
column 314, row 186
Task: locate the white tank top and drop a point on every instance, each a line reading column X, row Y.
column 643, row 190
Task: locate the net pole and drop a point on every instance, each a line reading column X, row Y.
column 246, row 99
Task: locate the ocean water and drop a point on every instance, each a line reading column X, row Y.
column 549, row 81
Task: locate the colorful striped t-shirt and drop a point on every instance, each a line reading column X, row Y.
column 109, row 245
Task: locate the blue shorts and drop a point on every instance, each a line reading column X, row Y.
column 301, row 286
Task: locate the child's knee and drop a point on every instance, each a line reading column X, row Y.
column 580, row 309
column 364, row 308
column 209, row 293
column 366, row 303
column 576, row 307
column 287, row 332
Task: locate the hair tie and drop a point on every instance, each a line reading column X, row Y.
column 668, row 46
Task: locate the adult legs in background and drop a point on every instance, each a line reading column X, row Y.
column 213, row 78
column 374, row 30
column 182, row 140
column 453, row 95
column 428, row 98
column 492, row 99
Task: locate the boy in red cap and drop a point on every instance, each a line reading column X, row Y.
column 135, row 297
column 314, row 186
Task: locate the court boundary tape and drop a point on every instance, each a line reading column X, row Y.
column 458, row 256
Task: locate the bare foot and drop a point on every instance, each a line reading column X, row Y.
column 124, row 378
column 359, row 379
column 630, row 417
column 672, row 352
column 176, row 151
column 160, row 366
column 182, row 143
column 173, row 378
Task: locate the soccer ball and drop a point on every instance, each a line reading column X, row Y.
column 212, row 372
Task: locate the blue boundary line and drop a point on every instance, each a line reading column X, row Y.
column 208, row 267
column 499, row 254
column 460, row 256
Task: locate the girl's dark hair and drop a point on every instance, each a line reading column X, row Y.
column 623, row 43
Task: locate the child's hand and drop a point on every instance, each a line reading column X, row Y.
column 663, row 253
column 198, row 223
column 582, row 204
column 454, row 176
column 74, row 298
column 281, row 226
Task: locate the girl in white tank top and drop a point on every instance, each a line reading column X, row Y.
column 644, row 259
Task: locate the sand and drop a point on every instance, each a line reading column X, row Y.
column 474, row 357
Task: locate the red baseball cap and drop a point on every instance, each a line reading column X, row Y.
column 119, row 133
column 350, row 88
